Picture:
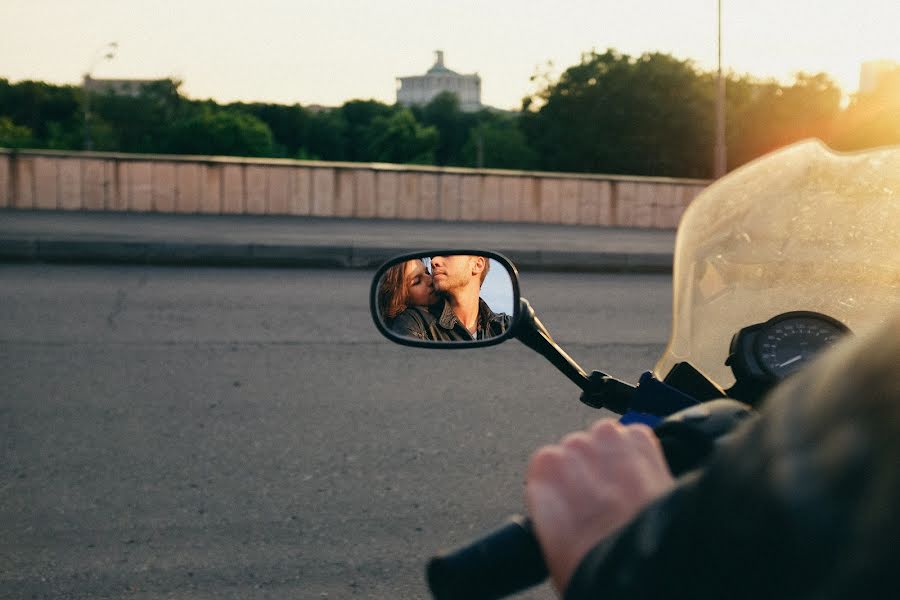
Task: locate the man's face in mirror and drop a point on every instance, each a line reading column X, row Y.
column 457, row 271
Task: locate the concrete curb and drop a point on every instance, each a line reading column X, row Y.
column 300, row 256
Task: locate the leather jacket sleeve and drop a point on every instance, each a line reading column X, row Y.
column 802, row 502
column 411, row 323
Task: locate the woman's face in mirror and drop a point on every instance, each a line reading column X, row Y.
column 419, row 284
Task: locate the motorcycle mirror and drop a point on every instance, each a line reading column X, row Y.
column 446, row 299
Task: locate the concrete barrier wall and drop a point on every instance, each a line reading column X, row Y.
column 92, row 181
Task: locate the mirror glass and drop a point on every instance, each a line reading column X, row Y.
column 446, row 299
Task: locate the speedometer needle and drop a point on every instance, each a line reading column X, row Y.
column 793, row 360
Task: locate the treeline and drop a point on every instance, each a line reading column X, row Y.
column 611, row 113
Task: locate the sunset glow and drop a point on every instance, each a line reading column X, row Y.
column 329, row 52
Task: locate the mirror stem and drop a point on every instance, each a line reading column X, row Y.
column 599, row 390
column 533, row 334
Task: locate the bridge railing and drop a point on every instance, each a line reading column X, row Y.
column 97, row 181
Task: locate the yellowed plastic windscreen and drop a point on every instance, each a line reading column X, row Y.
column 803, row 228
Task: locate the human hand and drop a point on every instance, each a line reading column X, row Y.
column 589, row 485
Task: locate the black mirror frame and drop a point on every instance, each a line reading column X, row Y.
column 406, row 341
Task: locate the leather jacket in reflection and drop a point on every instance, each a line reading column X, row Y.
column 439, row 323
column 802, row 502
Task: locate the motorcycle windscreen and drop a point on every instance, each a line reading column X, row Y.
column 804, row 228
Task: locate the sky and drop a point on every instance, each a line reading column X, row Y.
column 497, row 289
column 329, row 51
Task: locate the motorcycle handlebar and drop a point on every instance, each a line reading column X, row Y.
column 504, row 562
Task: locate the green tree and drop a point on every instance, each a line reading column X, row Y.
column 614, row 113
column 357, row 117
column 765, row 115
column 14, row 136
column 399, row 138
column 225, row 132
column 141, row 123
column 326, row 136
column 289, row 124
column 653, row 115
column 452, row 124
column 499, row 143
column 52, row 113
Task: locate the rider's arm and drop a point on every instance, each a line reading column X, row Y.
column 800, row 503
column 583, row 489
column 728, row 532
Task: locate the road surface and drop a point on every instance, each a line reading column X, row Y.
column 246, row 433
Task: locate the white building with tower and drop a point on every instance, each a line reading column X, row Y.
column 417, row 90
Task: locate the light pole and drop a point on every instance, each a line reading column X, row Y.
column 720, row 152
column 107, row 52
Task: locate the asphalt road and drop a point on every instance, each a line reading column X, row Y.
column 228, row 433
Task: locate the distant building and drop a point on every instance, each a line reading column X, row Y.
column 120, row 87
column 873, row 72
column 417, row 90
column 317, row 108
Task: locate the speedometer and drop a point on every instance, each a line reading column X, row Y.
column 761, row 355
column 787, row 342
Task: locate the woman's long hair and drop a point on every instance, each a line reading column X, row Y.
column 393, row 293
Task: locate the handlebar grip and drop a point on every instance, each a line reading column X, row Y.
column 503, row 562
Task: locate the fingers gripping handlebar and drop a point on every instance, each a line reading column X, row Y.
column 509, row 559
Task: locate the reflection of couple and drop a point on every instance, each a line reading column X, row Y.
column 442, row 306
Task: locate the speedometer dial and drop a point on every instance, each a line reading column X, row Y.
column 763, row 354
column 787, row 342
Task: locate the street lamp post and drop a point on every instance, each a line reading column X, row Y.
column 107, row 52
column 720, row 152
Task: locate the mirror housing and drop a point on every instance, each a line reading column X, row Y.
column 405, row 313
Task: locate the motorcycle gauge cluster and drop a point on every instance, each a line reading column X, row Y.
column 765, row 353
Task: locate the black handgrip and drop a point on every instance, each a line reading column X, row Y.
column 504, row 562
